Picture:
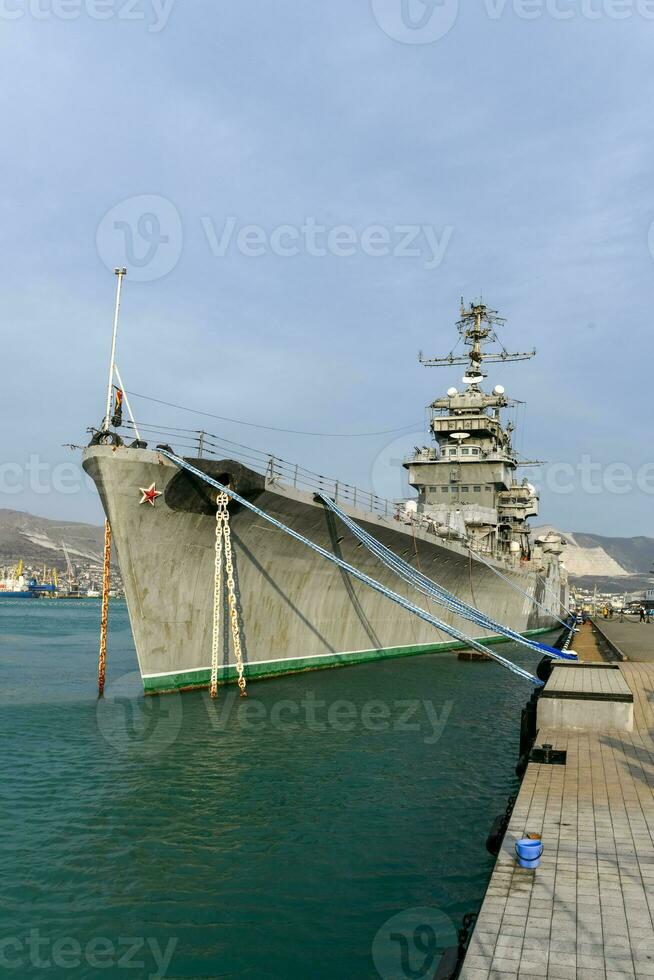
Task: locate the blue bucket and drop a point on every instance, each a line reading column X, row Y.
column 529, row 852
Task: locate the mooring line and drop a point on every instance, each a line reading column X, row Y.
column 431, row 589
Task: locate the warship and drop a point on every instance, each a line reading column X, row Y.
column 465, row 527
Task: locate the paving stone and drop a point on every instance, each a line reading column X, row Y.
column 588, row 911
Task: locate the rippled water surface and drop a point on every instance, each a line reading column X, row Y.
column 274, row 837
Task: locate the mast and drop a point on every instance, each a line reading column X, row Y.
column 477, row 326
column 119, row 273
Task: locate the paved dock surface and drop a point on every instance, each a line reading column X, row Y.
column 588, row 910
column 635, row 640
column 585, row 644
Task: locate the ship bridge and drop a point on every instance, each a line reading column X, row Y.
column 467, row 479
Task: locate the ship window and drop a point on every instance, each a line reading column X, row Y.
column 477, row 489
column 465, row 452
column 475, row 452
column 465, row 489
column 444, row 489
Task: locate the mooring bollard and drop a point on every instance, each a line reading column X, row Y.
column 529, row 852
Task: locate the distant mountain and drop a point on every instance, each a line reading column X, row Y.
column 39, row 539
column 614, row 564
column 633, row 555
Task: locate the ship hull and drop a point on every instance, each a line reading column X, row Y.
column 298, row 611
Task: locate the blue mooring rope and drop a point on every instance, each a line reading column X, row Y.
column 521, row 591
column 354, row 572
column 436, row 592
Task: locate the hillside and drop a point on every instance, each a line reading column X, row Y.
column 613, row 564
column 38, row 540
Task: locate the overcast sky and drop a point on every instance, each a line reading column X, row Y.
column 389, row 157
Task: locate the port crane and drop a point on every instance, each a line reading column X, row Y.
column 70, row 571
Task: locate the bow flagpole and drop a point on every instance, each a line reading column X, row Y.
column 107, row 417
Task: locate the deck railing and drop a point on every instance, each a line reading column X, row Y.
column 201, row 444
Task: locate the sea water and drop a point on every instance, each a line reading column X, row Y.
column 332, row 825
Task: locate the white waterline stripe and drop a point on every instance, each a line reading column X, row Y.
column 344, row 653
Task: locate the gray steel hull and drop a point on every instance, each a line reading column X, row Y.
column 298, row 610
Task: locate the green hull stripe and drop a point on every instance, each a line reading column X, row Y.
column 185, row 680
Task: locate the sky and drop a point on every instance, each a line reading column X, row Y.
column 302, row 193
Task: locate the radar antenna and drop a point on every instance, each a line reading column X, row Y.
column 477, row 326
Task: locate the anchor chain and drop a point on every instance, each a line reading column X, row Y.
column 224, row 545
column 217, row 594
column 106, row 585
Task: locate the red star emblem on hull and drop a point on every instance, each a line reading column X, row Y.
column 149, row 495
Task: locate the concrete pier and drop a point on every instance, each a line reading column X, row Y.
column 587, row 697
column 588, row 910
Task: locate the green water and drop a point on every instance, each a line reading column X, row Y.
column 307, row 832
